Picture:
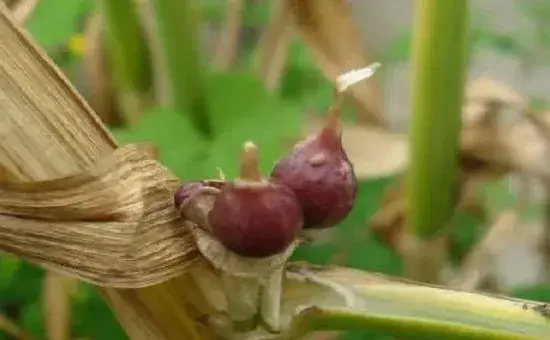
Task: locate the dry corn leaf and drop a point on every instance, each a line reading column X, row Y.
column 48, row 132
column 327, row 28
column 273, row 46
column 97, row 87
column 148, row 21
column 23, row 10
column 478, row 263
column 56, row 302
column 528, row 147
column 225, row 53
column 488, row 89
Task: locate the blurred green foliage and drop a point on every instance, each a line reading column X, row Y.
column 240, row 110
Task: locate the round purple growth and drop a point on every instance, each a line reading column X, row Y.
column 322, row 177
column 257, row 220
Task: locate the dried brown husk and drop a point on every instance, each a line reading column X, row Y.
column 97, row 83
column 273, row 47
column 50, row 134
column 329, row 32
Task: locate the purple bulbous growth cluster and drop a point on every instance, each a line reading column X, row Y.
column 321, row 175
column 313, row 187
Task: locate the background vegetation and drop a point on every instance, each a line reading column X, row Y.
column 239, row 107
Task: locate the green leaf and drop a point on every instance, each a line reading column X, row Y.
column 242, row 110
column 506, row 44
column 179, row 143
column 255, row 14
column 94, row 319
column 16, row 293
column 351, row 240
column 54, row 21
column 498, row 195
column 9, row 267
column 399, row 49
column 465, row 232
column 302, row 79
column 32, row 320
column 539, row 292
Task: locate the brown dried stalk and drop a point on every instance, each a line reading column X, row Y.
column 329, row 32
column 227, row 47
column 56, row 294
column 23, row 10
column 47, row 131
column 543, row 128
column 148, row 21
column 476, row 267
column 273, row 46
column 97, row 83
column 9, row 327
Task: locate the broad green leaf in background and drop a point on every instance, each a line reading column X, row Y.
column 539, row 292
column 19, row 296
column 32, row 320
column 538, row 103
column 466, row 231
column 351, row 242
column 506, row 44
column 95, row 319
column 9, row 267
column 500, row 195
column 179, row 144
column 15, row 293
column 399, row 49
column 242, row 110
column 54, row 21
column 302, row 79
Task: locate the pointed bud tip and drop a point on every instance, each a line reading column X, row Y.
column 249, row 146
column 333, row 124
column 250, row 169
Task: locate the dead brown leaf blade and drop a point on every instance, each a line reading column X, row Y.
column 273, row 46
column 49, row 133
column 56, row 298
column 329, row 32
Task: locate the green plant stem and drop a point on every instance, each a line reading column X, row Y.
column 179, row 33
column 346, row 299
column 128, row 56
column 319, row 319
column 439, row 59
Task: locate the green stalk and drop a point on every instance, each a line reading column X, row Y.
column 334, row 319
column 128, row 56
column 178, row 26
column 339, row 299
column 439, row 59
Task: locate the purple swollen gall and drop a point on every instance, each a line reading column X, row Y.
column 254, row 217
column 319, row 172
